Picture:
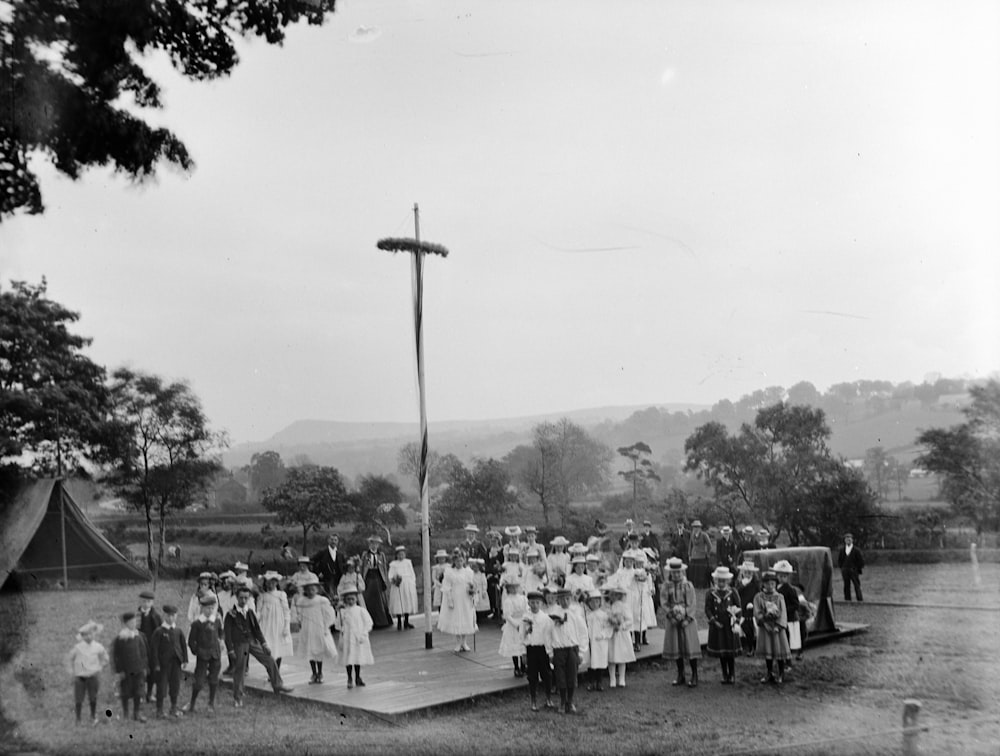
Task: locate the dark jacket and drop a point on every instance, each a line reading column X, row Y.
column 129, row 655
column 473, row 550
column 679, row 544
column 726, row 551
column 328, row 570
column 149, row 622
column 168, row 644
column 791, row 597
column 855, row 562
column 204, row 637
column 242, row 628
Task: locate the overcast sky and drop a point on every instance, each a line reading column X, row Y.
column 644, row 202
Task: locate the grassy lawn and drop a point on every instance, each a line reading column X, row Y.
column 948, row 660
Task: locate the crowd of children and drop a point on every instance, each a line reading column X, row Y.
column 572, row 616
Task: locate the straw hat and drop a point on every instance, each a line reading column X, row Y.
column 722, row 573
column 400, row 547
column 441, row 554
column 240, row 566
column 311, row 581
column 347, row 590
column 595, row 594
column 272, row 575
column 578, row 560
column 784, row 567
column 302, row 560
column 147, row 595
column 559, row 541
column 748, row 566
column 91, row 627
column 769, row 575
column 675, row 564
column 471, row 527
column 512, row 530
column 530, row 530
column 748, row 530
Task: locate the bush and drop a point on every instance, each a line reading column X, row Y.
column 929, row 556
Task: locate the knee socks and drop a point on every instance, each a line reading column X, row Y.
column 517, row 663
column 350, row 672
column 621, row 673
column 357, row 673
column 319, row 669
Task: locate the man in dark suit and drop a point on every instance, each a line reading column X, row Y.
column 851, row 562
column 472, row 547
column 149, row 620
column 680, row 542
column 748, row 539
column 648, row 540
column 243, row 635
column 726, row 549
column 329, row 565
column 168, row 653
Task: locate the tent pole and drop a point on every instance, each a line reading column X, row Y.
column 62, row 528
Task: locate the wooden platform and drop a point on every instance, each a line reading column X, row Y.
column 407, row 678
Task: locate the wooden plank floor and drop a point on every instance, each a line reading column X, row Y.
column 407, row 678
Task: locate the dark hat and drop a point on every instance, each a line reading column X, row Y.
column 208, row 600
column 147, row 595
column 127, row 616
column 169, row 609
column 769, row 575
column 848, row 535
column 633, row 536
column 535, row 595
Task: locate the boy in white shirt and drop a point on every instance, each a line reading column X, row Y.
column 85, row 661
column 536, row 632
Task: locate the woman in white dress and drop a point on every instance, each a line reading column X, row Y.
column 402, row 589
column 458, row 597
column 275, row 617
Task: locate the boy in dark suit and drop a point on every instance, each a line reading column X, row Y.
column 130, row 660
column 149, row 620
column 243, row 635
column 168, row 653
column 851, row 562
column 204, row 640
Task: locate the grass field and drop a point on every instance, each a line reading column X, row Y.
column 844, row 698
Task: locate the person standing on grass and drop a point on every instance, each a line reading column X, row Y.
column 355, row 646
column 621, row 652
column 85, row 661
column 599, row 633
column 402, row 589
column 149, row 620
column 769, row 614
column 723, row 611
column 726, row 549
column 680, row 542
column 748, row 540
column 168, row 654
column 315, row 615
column 205, row 642
column 680, row 640
column 244, row 636
column 275, row 617
column 699, row 552
column 748, row 586
column 536, row 634
column 130, row 660
column 201, row 591
column 851, row 562
column 568, row 639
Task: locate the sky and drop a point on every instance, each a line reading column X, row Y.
column 644, row 202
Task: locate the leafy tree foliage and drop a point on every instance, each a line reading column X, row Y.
column 374, row 506
column 642, row 472
column 267, row 470
column 73, row 81
column 310, row 498
column 159, row 447
column 778, row 467
column 53, row 401
column 483, row 495
column 439, row 466
column 967, row 456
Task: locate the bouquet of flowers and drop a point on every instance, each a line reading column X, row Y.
column 771, row 611
column 640, row 575
column 539, row 569
column 616, row 619
column 397, row 580
column 734, row 620
column 471, row 590
column 526, row 625
column 678, row 614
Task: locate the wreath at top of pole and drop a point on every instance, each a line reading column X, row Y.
column 412, row 245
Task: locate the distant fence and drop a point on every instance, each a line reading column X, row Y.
column 180, row 518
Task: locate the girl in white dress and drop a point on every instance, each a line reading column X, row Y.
column 557, row 563
column 275, row 617
column 535, row 577
column 437, row 575
column 482, row 602
column 511, row 642
column 315, row 614
column 625, row 578
column 578, row 582
column 644, row 581
column 402, row 589
column 458, row 597
column 355, row 647
column 600, row 632
column 620, row 648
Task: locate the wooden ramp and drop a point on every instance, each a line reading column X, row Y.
column 407, row 678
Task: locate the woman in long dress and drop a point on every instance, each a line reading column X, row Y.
column 275, row 617
column 680, row 641
column 458, row 595
column 402, row 589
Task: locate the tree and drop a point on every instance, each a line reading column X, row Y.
column 267, row 470
column 159, row 448
column 876, row 467
column 529, row 467
column 967, row 456
column 310, row 498
column 806, row 393
column 375, row 505
column 438, row 466
column 776, row 466
column 642, row 469
column 53, row 399
column 74, row 86
column 483, row 494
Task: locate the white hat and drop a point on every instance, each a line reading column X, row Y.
column 91, row 627
column 512, row 530
column 231, row 574
column 595, row 593
column 783, row 567
column 593, row 558
column 241, row 566
column 441, row 553
column 559, row 541
column 530, row 529
column 400, row 547
column 675, row 564
column 471, row 527
column 748, row 566
column 725, row 529
column 722, row 573
column 532, row 553
column 577, row 548
column 272, row 575
column 347, row 590
column 302, row 560
column 578, row 560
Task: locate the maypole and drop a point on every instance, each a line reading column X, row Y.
column 418, row 249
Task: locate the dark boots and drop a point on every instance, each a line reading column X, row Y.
column 679, row 680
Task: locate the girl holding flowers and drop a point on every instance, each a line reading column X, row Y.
column 723, row 610
column 578, row 582
column 458, row 601
column 620, row 648
column 402, row 589
column 680, row 641
column 771, row 618
column 515, row 605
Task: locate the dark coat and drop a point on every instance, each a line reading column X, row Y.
column 328, row 570
column 204, row 638
column 168, row 644
column 726, row 551
column 679, row 545
column 130, row 655
column 855, row 562
column 149, row 622
column 241, row 629
column 650, row 541
column 791, row 597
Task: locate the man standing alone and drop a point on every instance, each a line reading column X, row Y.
column 851, row 562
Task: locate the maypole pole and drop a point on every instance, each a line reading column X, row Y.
column 418, row 249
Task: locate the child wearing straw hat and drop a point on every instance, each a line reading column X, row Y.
column 315, row 614
column 168, row 652
column 783, row 568
column 748, row 586
column 599, row 632
column 437, row 576
column 203, row 589
column 680, row 641
column 535, row 577
column 85, row 661
column 578, row 582
column 621, row 650
column 536, row 634
column 723, row 611
column 558, row 562
column 355, row 646
column 303, row 574
column 772, row 619
column 515, row 605
column 402, row 589
column 275, row 617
